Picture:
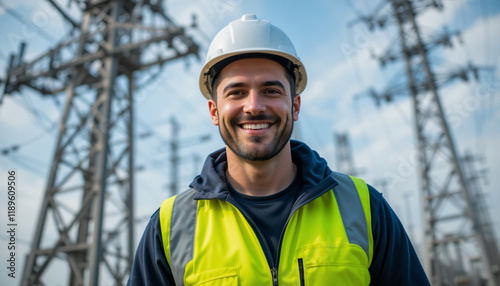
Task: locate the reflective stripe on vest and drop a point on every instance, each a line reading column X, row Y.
column 178, row 231
column 210, row 241
column 359, row 232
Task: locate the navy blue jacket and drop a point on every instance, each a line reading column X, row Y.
column 394, row 259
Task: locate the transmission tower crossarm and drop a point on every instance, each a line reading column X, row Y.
column 64, row 14
column 183, row 37
column 372, row 19
column 21, row 77
column 92, row 173
column 53, row 66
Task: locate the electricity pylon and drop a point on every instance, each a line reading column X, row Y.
column 176, row 144
column 85, row 228
column 344, row 160
column 456, row 234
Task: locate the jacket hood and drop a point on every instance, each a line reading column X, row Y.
column 211, row 183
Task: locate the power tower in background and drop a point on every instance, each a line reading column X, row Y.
column 174, row 157
column 176, row 144
column 458, row 236
column 344, row 160
column 85, row 229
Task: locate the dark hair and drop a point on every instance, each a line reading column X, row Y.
column 287, row 65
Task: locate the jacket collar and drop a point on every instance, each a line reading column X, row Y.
column 211, row 183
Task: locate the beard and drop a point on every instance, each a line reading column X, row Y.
column 246, row 150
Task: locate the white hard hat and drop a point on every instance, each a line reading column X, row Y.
column 250, row 37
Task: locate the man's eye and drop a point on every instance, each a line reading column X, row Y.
column 234, row 93
column 272, row 91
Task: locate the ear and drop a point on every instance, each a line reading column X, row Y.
column 212, row 107
column 296, row 107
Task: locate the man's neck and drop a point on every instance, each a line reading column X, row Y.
column 261, row 178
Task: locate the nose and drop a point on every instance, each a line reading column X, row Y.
column 254, row 103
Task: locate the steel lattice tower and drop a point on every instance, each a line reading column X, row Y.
column 458, row 236
column 345, row 162
column 85, row 228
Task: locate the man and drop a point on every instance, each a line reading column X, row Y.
column 267, row 210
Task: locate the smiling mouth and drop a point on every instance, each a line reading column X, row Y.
column 258, row 126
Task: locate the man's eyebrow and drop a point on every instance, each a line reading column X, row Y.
column 272, row 83
column 232, row 85
column 241, row 84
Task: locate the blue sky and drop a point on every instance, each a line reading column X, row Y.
column 339, row 66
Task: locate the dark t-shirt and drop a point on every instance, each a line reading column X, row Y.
column 270, row 213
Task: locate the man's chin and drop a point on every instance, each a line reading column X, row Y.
column 250, row 151
column 257, row 151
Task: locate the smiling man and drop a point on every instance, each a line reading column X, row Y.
column 254, row 110
column 267, row 210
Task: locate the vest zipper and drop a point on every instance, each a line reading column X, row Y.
column 301, row 272
column 260, row 237
column 274, row 271
column 263, row 243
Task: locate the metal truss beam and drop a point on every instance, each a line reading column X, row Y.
column 85, row 229
column 457, row 233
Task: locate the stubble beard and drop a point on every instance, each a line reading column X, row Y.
column 248, row 153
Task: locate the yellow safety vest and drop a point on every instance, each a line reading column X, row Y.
column 327, row 241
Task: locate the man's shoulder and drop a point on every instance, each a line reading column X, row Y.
column 168, row 202
column 153, row 228
column 375, row 195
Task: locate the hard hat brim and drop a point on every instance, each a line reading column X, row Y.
column 205, row 82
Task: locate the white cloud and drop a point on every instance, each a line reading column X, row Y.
column 211, row 15
column 477, row 42
column 437, row 19
column 10, row 116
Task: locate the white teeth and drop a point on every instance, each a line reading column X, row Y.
column 256, row 126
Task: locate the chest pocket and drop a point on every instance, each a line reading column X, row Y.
column 332, row 264
column 217, row 277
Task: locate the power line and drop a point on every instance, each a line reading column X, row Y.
column 28, row 167
column 480, row 116
column 486, row 28
column 35, row 114
column 16, row 147
column 21, row 19
column 20, row 240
